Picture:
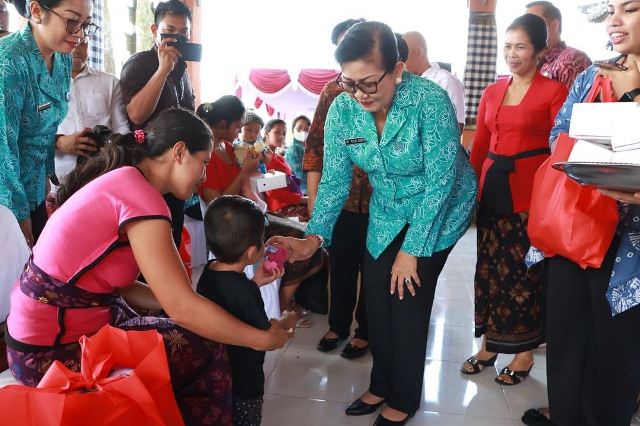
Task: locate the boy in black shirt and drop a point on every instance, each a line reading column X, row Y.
column 234, row 228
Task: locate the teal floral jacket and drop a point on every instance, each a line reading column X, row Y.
column 32, row 104
column 419, row 173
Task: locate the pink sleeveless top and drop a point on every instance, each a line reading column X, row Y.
column 83, row 242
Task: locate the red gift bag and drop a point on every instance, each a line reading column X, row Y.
column 566, row 218
column 124, row 380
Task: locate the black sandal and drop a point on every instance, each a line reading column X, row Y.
column 478, row 364
column 516, row 376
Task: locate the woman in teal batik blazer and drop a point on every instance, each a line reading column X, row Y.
column 35, row 76
column 402, row 131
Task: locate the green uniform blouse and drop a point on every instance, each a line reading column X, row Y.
column 419, row 173
column 33, row 101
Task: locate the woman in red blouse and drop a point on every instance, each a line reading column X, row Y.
column 515, row 118
column 283, row 201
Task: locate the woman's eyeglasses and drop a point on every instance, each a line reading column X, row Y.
column 73, row 25
column 366, row 87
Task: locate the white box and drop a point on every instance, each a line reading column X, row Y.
column 595, row 122
column 268, row 181
column 626, row 130
column 588, row 152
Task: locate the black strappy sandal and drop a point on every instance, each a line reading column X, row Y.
column 516, row 376
column 478, row 365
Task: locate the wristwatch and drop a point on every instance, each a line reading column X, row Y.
column 630, row 95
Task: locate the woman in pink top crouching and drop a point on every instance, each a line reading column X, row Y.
column 112, row 224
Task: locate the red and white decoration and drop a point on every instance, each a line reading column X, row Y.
column 281, row 95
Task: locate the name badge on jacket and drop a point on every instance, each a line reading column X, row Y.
column 355, row 141
column 43, row 107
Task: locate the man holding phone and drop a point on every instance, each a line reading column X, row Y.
column 157, row 79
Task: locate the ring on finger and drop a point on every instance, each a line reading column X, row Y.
column 407, row 281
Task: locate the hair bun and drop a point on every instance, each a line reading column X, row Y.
column 21, row 7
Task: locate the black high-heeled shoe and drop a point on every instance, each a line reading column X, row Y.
column 361, row 408
column 351, row 351
column 383, row 421
column 327, row 344
column 478, row 365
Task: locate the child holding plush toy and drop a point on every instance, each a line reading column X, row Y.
column 249, row 139
column 234, row 227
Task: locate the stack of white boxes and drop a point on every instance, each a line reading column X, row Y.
column 606, row 133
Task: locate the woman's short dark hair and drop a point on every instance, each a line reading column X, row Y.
column 366, row 39
column 403, row 48
column 169, row 127
column 273, row 123
column 298, row 118
column 343, row 27
column 232, row 224
column 173, row 8
column 228, row 108
column 535, row 27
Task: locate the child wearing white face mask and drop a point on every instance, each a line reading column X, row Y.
column 295, row 152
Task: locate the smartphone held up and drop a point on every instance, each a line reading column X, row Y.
column 189, row 51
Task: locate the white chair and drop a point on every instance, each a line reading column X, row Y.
column 14, row 253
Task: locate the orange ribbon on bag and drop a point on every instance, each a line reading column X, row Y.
column 124, row 379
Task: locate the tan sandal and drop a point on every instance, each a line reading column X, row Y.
column 304, row 322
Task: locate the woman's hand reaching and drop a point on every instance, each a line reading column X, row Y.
column 277, row 336
column 298, row 249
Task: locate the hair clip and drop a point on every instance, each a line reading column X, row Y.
column 139, row 136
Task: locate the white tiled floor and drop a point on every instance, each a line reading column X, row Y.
column 305, row 386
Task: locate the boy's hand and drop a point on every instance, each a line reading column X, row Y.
column 262, row 278
column 289, row 319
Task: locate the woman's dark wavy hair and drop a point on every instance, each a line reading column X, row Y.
column 364, row 40
column 535, row 27
column 228, row 108
column 273, row 123
column 22, row 6
column 160, row 134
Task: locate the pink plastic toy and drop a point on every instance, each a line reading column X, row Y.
column 275, row 257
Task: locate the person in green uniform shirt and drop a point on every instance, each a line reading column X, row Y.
column 402, row 131
column 35, row 76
